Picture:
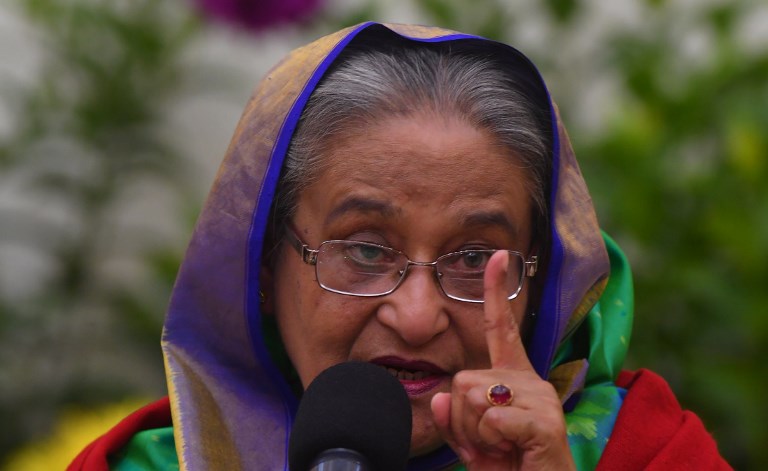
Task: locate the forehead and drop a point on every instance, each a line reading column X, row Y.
column 426, row 150
column 404, row 164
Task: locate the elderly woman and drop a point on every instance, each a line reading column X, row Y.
column 406, row 196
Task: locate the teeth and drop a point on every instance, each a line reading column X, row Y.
column 407, row 375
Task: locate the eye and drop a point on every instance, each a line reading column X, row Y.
column 466, row 263
column 361, row 253
column 475, row 259
column 367, row 252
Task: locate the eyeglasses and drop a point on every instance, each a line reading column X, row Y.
column 365, row 269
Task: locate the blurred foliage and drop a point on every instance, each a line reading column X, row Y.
column 676, row 165
column 679, row 175
column 84, row 134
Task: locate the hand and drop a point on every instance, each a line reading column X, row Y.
column 530, row 433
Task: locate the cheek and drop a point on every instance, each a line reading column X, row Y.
column 474, row 345
column 318, row 328
column 473, row 337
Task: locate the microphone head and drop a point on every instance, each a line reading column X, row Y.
column 357, row 406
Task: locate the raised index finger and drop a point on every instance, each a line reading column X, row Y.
column 502, row 330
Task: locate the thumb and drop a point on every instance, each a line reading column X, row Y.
column 441, row 413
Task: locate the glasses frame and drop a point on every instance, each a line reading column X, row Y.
column 309, row 256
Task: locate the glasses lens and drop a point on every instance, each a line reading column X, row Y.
column 461, row 273
column 358, row 267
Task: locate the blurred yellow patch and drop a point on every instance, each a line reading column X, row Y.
column 75, row 429
column 746, row 148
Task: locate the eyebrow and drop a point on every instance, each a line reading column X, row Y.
column 490, row 218
column 361, row 205
column 469, row 220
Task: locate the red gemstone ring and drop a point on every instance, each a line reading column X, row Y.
column 499, row 395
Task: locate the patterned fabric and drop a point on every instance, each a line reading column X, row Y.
column 148, row 450
column 606, row 332
column 233, row 408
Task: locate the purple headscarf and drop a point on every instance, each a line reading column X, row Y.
column 232, row 409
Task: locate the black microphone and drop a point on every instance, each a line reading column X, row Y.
column 353, row 417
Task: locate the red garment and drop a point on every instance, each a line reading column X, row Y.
column 94, row 456
column 651, row 433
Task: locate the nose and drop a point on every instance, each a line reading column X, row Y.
column 416, row 309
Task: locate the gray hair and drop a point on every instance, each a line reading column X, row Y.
column 371, row 81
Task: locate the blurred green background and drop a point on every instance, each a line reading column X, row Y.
column 114, row 116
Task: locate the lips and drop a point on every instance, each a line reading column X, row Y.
column 417, row 377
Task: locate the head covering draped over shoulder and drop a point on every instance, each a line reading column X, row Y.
column 232, row 407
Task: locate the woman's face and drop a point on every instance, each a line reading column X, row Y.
column 425, row 185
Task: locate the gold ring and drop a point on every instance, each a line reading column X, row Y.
column 499, row 395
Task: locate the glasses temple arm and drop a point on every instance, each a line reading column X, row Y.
column 531, row 265
column 308, row 255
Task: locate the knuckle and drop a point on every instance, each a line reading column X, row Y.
column 462, row 381
column 494, row 417
column 493, row 323
column 548, row 388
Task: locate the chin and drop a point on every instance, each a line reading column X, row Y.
column 425, row 437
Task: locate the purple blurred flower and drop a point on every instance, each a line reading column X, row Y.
column 258, row 14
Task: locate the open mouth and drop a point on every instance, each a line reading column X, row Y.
column 407, row 375
column 417, row 377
